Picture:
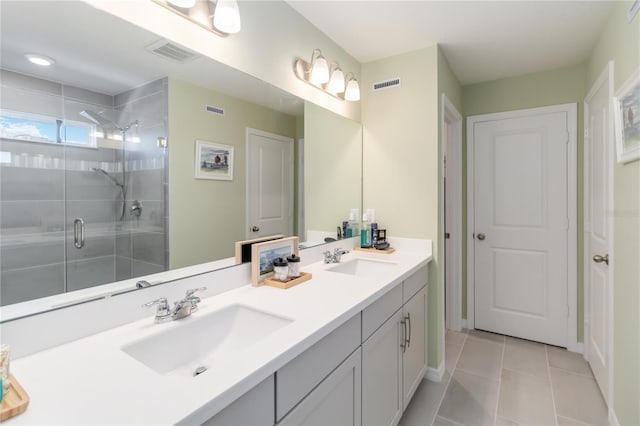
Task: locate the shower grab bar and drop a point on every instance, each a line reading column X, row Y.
column 78, row 233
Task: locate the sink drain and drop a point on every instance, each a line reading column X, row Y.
column 199, row 370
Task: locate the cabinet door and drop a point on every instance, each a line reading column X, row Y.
column 336, row 401
column 381, row 379
column 414, row 361
column 254, row 408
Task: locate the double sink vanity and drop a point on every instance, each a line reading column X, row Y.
column 345, row 348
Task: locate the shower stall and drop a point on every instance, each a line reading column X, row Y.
column 83, row 186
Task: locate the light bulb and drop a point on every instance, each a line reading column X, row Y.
column 336, row 83
column 353, row 90
column 319, row 70
column 227, row 16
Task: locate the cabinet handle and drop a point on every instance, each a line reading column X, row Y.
column 408, row 318
column 403, row 343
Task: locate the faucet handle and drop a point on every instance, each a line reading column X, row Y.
column 191, row 291
column 163, row 306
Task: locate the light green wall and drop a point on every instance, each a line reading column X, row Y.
column 400, row 159
column 206, row 217
column 620, row 42
column 333, row 156
column 566, row 85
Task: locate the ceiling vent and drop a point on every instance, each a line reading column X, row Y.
column 386, row 84
column 172, row 51
column 215, row 110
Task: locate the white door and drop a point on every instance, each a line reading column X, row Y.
column 521, row 223
column 269, row 184
column 597, row 230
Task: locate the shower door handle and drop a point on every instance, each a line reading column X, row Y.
column 78, row 233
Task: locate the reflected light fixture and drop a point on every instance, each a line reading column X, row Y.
column 43, row 61
column 185, row 4
column 227, row 16
column 352, row 93
column 336, row 81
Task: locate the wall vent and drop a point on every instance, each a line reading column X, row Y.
column 214, row 109
column 386, row 84
column 172, row 51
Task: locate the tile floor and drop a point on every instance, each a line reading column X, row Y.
column 492, row 380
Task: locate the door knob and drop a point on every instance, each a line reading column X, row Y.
column 255, row 229
column 599, row 259
column 481, row 236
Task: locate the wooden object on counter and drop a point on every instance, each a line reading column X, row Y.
column 304, row 276
column 374, row 250
column 15, row 401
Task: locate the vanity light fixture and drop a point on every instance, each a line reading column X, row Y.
column 43, row 61
column 227, row 16
column 330, row 80
column 353, row 88
column 336, row 82
column 185, row 4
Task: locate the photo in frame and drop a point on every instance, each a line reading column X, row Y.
column 243, row 248
column 626, row 115
column 263, row 255
column 213, row 161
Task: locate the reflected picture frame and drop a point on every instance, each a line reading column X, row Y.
column 626, row 116
column 263, row 254
column 213, row 161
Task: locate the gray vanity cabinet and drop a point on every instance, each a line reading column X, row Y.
column 414, row 358
column 254, row 408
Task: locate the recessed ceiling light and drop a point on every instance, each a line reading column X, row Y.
column 41, row 60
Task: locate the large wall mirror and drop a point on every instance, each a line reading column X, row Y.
column 99, row 174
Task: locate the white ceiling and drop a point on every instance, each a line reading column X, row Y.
column 482, row 40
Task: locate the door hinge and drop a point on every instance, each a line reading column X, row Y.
column 447, row 235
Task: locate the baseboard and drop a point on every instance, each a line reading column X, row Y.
column 463, row 324
column 577, row 347
column 435, row 374
column 613, row 420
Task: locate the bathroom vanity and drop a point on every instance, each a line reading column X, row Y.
column 347, row 347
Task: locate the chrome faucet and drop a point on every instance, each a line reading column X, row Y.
column 335, row 256
column 182, row 308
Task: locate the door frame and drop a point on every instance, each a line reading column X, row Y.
column 572, row 211
column 605, row 77
column 452, row 284
column 251, row 131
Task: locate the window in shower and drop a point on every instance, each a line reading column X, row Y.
column 41, row 128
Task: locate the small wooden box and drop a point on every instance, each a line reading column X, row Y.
column 304, row 276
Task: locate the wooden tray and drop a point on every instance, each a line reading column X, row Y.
column 14, row 402
column 374, row 250
column 304, row 276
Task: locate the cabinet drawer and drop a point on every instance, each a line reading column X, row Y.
column 254, row 408
column 296, row 379
column 381, row 310
column 415, row 282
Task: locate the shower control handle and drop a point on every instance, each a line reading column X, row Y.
column 78, row 233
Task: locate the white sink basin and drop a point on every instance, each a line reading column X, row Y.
column 363, row 267
column 200, row 340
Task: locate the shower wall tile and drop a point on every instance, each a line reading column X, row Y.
column 146, row 184
column 91, row 272
column 22, row 100
column 97, row 214
column 32, row 149
column 140, row 268
column 123, row 268
column 18, row 285
column 152, row 217
column 94, row 246
column 123, row 245
column 92, row 186
column 16, row 253
column 31, row 217
column 22, row 81
column 31, row 184
column 140, row 92
column 87, row 96
column 149, row 247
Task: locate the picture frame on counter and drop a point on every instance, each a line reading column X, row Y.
column 263, row 255
column 243, row 248
column 626, row 115
column 214, row 161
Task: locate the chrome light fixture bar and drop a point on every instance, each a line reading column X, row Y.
column 221, row 18
column 329, row 79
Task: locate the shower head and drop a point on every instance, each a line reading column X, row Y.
column 111, row 178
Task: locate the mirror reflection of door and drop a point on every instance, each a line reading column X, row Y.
column 269, row 184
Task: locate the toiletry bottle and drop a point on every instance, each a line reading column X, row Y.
column 354, row 225
column 365, row 233
column 371, row 215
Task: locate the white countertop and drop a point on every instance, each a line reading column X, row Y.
column 92, row 381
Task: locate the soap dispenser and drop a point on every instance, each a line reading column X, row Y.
column 365, row 234
column 354, row 226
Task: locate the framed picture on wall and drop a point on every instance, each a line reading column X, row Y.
column 213, row 161
column 626, row 114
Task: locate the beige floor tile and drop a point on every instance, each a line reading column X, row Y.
column 563, row 421
column 526, row 360
column 451, row 354
column 470, row 400
column 525, row 399
column 441, row 421
column 481, row 357
column 479, row 334
column 570, row 361
column 455, row 337
column 501, row 421
column 524, row 344
column 578, row 397
column 425, row 402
